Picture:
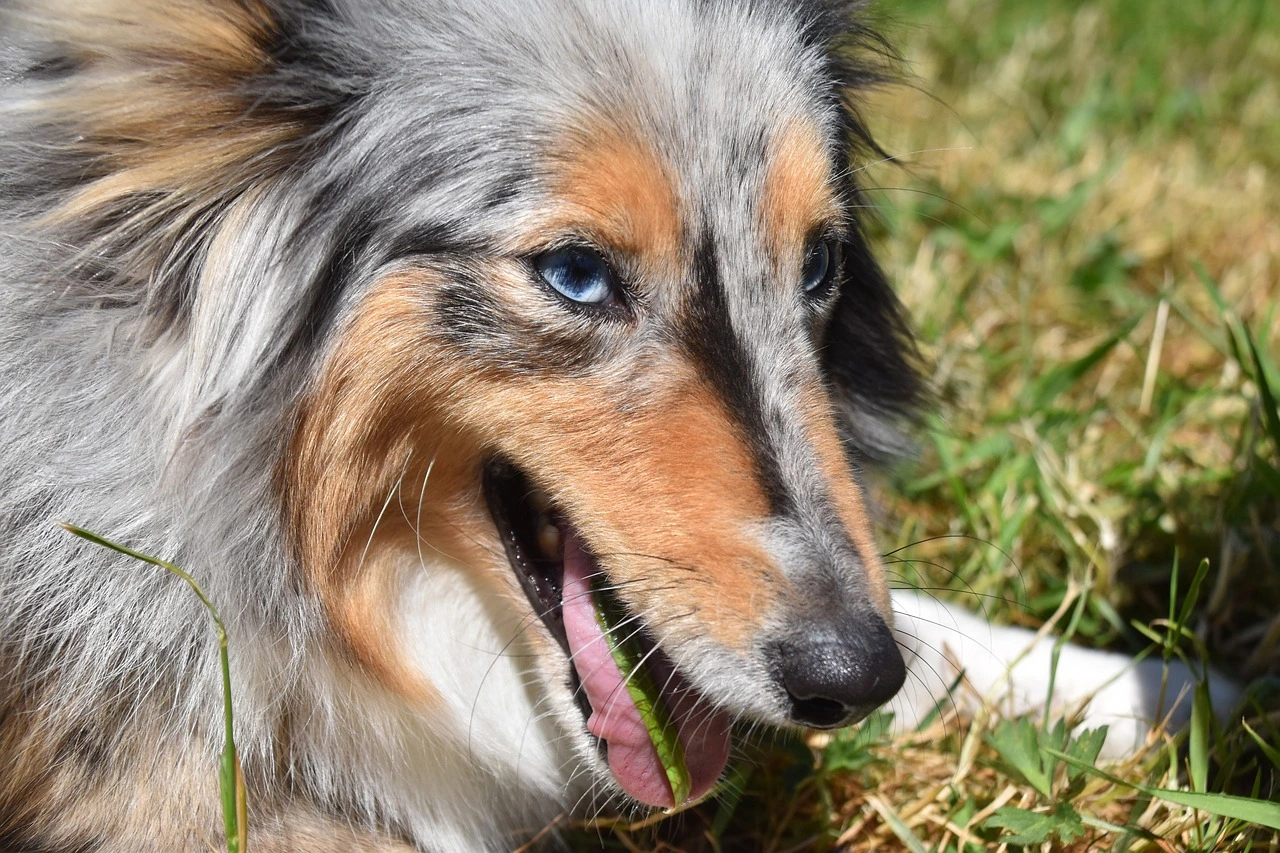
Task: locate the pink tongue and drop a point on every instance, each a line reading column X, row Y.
column 704, row 733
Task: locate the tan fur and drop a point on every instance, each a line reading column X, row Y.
column 671, row 480
column 612, row 188
column 352, row 446
column 65, row 789
column 157, row 110
column 798, row 195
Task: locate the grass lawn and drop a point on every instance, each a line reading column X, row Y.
column 1085, row 225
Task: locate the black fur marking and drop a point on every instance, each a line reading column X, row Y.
column 506, row 189
column 310, row 80
column 54, row 67
column 354, row 234
column 362, row 239
column 470, row 316
column 432, row 238
column 357, row 242
column 472, row 320
column 710, row 339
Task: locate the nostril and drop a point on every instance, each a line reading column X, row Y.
column 819, row 688
column 818, row 713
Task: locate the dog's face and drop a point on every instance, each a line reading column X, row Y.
column 582, row 319
column 619, row 390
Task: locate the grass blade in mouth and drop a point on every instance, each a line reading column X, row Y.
column 663, row 732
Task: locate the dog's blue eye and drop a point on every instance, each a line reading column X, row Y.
column 819, row 266
column 578, row 273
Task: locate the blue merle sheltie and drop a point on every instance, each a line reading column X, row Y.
column 422, row 331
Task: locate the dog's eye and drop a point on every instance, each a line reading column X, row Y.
column 820, row 266
column 578, row 273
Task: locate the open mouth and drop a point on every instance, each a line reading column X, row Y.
column 665, row 744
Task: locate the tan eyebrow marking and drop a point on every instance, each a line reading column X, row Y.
column 798, row 196
column 614, row 185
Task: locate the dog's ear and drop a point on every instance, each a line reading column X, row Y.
column 146, row 119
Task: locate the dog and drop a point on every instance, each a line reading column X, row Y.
column 424, row 333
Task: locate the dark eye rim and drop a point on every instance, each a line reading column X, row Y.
column 823, row 290
column 621, row 301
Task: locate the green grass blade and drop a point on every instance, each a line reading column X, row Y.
column 167, row 566
column 908, row 838
column 1198, row 737
column 230, row 776
column 1193, row 594
column 1269, row 411
column 1261, row 812
column 1269, row 750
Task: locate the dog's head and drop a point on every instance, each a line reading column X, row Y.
column 613, row 374
column 584, row 317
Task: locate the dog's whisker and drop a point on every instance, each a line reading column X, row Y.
column 966, row 537
column 852, row 171
column 395, row 488
column 417, row 519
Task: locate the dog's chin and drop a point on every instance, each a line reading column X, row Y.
column 570, row 593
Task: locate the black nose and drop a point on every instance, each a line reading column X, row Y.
column 838, row 669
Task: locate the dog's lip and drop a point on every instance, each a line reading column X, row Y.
column 608, row 714
column 507, row 491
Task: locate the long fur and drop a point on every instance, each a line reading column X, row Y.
column 261, row 314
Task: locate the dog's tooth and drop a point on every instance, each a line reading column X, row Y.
column 549, row 541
